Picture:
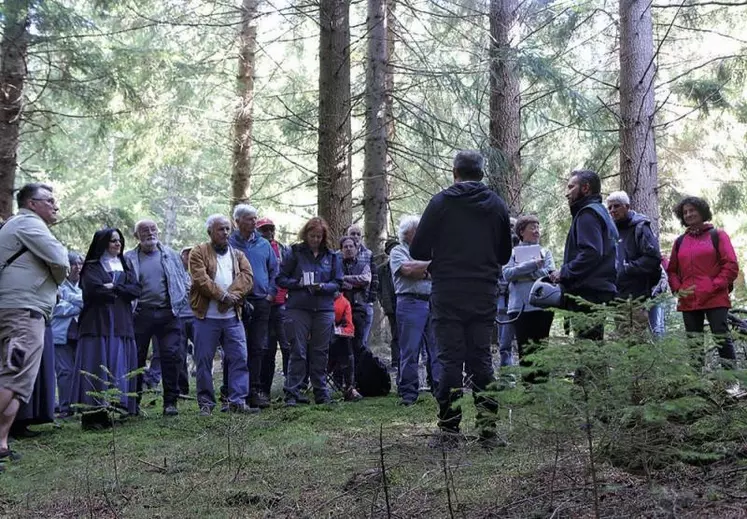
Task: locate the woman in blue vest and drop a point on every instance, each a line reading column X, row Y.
column 312, row 273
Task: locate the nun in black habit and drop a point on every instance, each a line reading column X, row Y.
column 105, row 330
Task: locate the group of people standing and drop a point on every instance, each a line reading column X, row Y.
column 248, row 294
column 613, row 256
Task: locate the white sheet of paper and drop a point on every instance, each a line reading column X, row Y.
column 527, row 253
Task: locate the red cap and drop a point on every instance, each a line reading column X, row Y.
column 264, row 222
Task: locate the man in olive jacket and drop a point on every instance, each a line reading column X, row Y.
column 221, row 278
column 32, row 265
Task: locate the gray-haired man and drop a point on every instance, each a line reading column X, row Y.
column 161, row 274
column 264, row 264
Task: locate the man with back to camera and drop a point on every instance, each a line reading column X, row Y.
column 588, row 270
column 465, row 232
column 32, row 266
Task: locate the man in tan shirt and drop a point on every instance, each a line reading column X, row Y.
column 221, row 277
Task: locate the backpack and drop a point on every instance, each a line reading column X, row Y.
column 655, row 276
column 371, row 375
column 714, row 239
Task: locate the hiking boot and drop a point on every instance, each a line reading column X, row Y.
column 446, row 440
column 291, row 402
column 327, row 400
column 206, row 410
column 303, row 399
column 352, row 395
column 170, row 410
column 260, row 400
column 407, row 402
column 242, row 409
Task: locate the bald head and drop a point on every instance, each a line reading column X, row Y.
column 146, row 232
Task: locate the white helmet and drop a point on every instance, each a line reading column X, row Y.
column 546, row 294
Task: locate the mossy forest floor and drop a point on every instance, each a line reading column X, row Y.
column 328, row 461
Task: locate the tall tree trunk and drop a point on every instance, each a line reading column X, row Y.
column 12, row 81
column 505, row 101
column 243, row 122
column 375, row 187
column 639, row 175
column 389, row 96
column 334, row 177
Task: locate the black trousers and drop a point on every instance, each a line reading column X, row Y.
column 276, row 337
column 532, row 330
column 256, row 327
column 341, row 364
column 162, row 325
column 585, row 326
column 394, row 344
column 717, row 320
column 463, row 325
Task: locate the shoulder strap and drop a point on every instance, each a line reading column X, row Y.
column 14, row 257
column 715, row 240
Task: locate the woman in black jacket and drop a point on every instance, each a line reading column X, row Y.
column 105, row 330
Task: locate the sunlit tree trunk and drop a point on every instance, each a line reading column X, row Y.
column 12, row 80
column 243, row 121
column 639, row 175
column 505, row 101
column 375, row 186
column 334, row 178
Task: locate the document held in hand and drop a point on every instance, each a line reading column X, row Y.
column 527, row 253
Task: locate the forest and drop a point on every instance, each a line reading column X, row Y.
column 353, row 110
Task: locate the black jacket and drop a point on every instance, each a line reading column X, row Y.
column 465, row 231
column 387, row 298
column 638, row 257
column 107, row 312
column 588, row 267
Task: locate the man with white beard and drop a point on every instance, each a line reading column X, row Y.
column 159, row 270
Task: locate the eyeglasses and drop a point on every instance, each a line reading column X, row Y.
column 50, row 201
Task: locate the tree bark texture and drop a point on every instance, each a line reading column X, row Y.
column 375, row 187
column 639, row 175
column 12, row 81
column 504, row 161
column 334, row 177
column 390, row 128
column 241, row 174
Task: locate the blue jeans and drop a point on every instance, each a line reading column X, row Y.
column 64, row 366
column 657, row 320
column 230, row 334
column 506, row 333
column 312, row 334
column 368, row 324
column 415, row 330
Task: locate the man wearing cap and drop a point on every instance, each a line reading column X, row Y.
column 264, row 264
column 276, row 334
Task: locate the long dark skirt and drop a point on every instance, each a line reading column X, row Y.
column 119, row 356
column 40, row 408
